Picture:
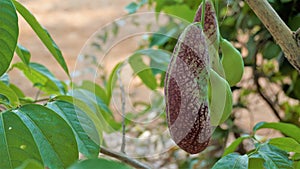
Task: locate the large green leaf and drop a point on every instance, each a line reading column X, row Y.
column 9, row 94
column 9, row 32
column 286, row 128
column 286, row 144
column 142, row 70
column 274, row 157
column 82, row 126
column 232, row 161
column 36, row 132
column 43, row 34
column 256, row 163
column 30, row 164
column 41, row 77
column 99, row 164
column 81, row 105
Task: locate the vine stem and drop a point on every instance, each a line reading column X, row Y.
column 278, row 29
column 124, row 158
column 123, row 110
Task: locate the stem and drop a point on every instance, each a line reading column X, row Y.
column 259, row 89
column 278, row 29
column 123, row 111
column 124, row 158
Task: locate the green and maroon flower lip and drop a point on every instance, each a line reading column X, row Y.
column 186, row 90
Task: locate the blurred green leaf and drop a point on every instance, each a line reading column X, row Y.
column 99, row 164
column 9, row 94
column 271, row 50
column 286, row 128
column 234, row 145
column 181, row 11
column 24, row 54
column 286, row 144
column 100, row 109
column 94, row 88
column 43, row 34
column 132, row 7
column 232, row 161
column 294, row 22
column 9, row 32
column 17, row 90
column 5, row 78
column 111, row 83
column 285, row 1
column 142, row 70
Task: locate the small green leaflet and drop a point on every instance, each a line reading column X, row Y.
column 43, row 34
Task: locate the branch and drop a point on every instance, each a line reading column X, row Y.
column 282, row 34
column 266, row 98
column 124, row 158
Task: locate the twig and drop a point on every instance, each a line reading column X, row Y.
column 278, row 29
column 42, row 100
column 259, row 89
column 124, row 158
column 123, row 110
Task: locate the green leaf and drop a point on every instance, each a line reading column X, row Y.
column 111, row 83
column 297, row 165
column 30, row 164
column 17, row 90
column 99, row 108
column 36, row 132
column 232, row 161
column 43, row 34
column 143, row 71
column 5, row 78
column 9, row 32
column 286, row 128
column 94, row 88
column 82, row 126
column 9, row 94
column 285, row 1
column 182, row 11
column 41, row 77
column 274, row 157
column 132, row 7
column 160, row 59
column 81, row 105
column 271, row 50
column 256, row 163
column 99, row 164
column 286, row 144
column 234, row 145
column 24, row 54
